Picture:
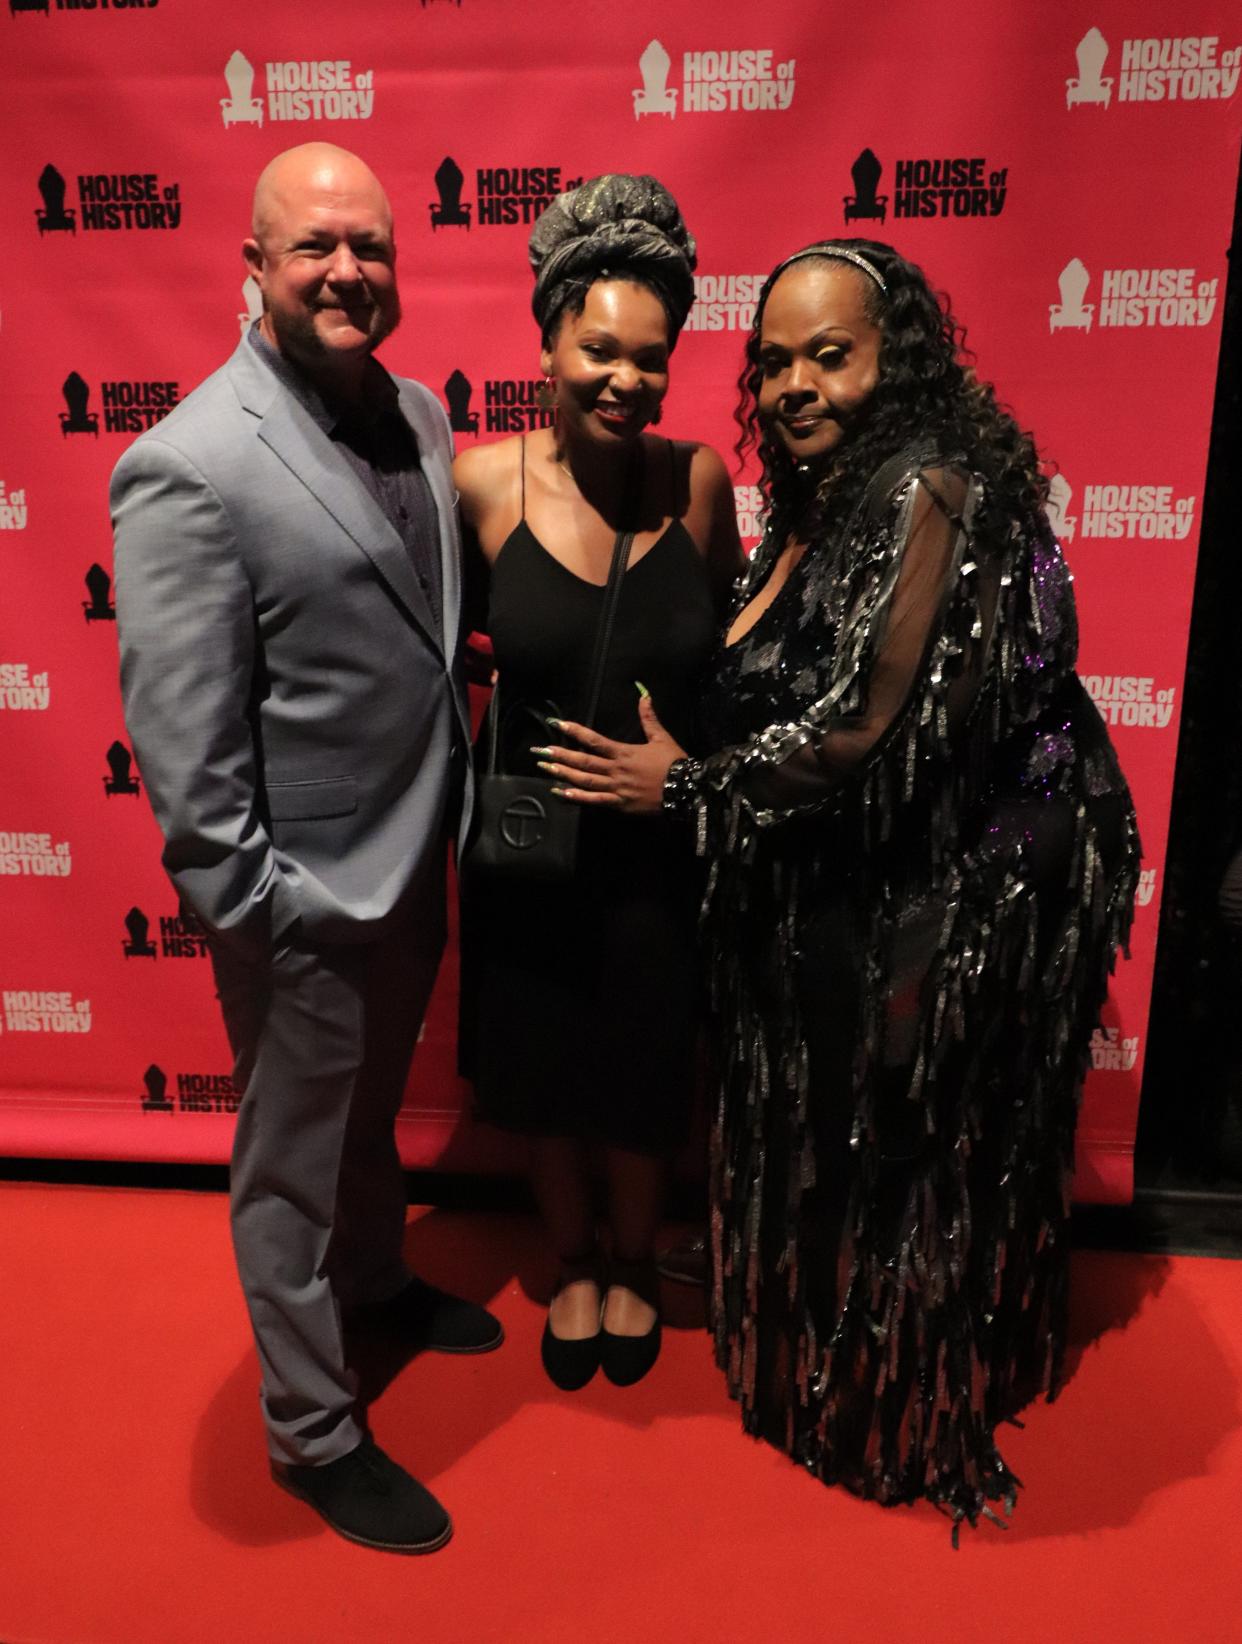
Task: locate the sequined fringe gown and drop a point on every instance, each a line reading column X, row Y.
column 922, row 857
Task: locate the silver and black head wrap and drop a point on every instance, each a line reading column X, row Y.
column 616, row 225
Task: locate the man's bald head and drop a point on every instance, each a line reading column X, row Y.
column 316, row 169
column 323, row 254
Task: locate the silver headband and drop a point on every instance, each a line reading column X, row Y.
column 826, row 248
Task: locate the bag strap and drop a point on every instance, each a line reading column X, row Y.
column 603, row 634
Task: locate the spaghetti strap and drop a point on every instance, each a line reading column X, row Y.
column 522, row 442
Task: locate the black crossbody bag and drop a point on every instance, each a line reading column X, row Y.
column 523, row 831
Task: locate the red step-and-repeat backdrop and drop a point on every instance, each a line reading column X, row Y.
column 1065, row 173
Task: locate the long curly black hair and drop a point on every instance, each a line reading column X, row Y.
column 926, row 395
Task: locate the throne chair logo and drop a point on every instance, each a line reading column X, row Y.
column 99, row 607
column 76, row 418
column 120, row 778
column 1089, row 86
column 1071, row 311
column 240, row 107
column 53, row 217
column 155, row 1084
column 457, row 392
column 1060, row 491
column 449, row 211
column 653, row 96
column 139, row 945
column 865, row 202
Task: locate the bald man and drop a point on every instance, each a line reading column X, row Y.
column 288, row 604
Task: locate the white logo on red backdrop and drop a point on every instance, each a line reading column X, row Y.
column 1188, row 68
column 1133, row 297
column 1060, row 493
column 724, row 302
column 714, row 82
column 13, row 509
column 1132, row 699
column 1146, row 889
column 1110, row 1053
column 21, row 691
column 1149, row 512
column 33, row 855
column 300, row 89
column 253, row 299
column 30, row 1010
column 751, row 519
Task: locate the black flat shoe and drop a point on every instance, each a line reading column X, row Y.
column 627, row 1359
column 570, row 1364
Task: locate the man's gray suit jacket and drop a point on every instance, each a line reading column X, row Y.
column 295, row 710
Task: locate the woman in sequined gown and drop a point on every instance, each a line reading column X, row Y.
column 922, row 857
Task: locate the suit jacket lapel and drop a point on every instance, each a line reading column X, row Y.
column 439, row 477
column 292, row 433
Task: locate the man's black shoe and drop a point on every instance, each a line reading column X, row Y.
column 367, row 1498
column 423, row 1316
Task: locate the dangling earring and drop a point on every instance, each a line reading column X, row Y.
column 545, row 394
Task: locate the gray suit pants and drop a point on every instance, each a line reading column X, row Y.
column 322, row 1039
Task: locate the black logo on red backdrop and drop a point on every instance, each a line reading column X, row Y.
column 45, row 6
column 109, row 200
column 864, row 202
column 457, row 392
column 196, row 1092
column 513, row 405
column 120, row 779
column 77, row 418
column 138, row 944
column 181, row 937
column 505, row 195
column 155, row 1091
column 99, row 607
column 959, row 186
column 130, row 407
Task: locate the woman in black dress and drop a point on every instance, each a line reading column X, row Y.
column 922, row 858
column 579, row 1020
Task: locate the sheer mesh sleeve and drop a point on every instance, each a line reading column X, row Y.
column 901, row 639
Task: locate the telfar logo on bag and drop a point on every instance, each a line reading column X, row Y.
column 1166, row 297
column 713, row 82
column 107, row 201
column 301, row 89
column 1188, row 68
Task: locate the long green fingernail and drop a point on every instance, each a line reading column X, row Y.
column 642, row 689
column 545, row 766
column 538, row 751
column 555, row 723
column 559, row 792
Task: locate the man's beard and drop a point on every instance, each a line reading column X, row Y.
column 297, row 337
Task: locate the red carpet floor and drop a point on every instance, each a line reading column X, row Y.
column 135, row 1505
